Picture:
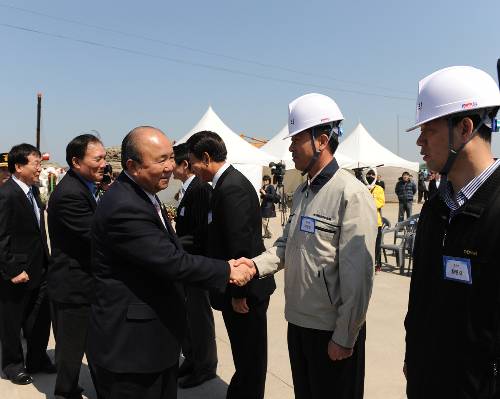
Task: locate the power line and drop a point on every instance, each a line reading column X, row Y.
column 196, row 64
column 193, row 49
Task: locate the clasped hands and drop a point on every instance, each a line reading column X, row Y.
column 242, row 271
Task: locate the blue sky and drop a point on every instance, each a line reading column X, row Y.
column 347, row 50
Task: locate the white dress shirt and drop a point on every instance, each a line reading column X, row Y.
column 152, row 198
column 185, row 186
column 26, row 190
column 219, row 173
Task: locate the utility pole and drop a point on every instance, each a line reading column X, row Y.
column 38, row 118
column 397, row 133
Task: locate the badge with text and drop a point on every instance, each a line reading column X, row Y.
column 183, row 210
column 307, row 224
column 457, row 269
column 209, row 217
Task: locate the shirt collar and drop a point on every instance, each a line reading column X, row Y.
column 21, row 184
column 455, row 202
column 186, row 184
column 90, row 185
column 219, row 173
column 322, row 177
column 151, row 197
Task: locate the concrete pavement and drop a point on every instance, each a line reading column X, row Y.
column 384, row 346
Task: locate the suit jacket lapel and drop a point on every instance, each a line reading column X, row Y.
column 216, row 189
column 26, row 202
column 193, row 183
column 93, row 203
column 167, row 227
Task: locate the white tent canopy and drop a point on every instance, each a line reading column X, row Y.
column 366, row 151
column 240, row 153
column 278, row 147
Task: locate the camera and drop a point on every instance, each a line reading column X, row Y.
column 108, row 172
column 278, row 172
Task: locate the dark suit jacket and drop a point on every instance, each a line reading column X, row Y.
column 23, row 242
column 138, row 319
column 236, row 231
column 191, row 222
column 433, row 188
column 70, row 212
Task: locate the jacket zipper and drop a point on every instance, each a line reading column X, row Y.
column 326, row 286
column 493, row 386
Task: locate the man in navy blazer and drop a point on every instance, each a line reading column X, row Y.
column 138, row 319
column 70, row 283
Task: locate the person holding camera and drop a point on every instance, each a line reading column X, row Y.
column 70, row 282
column 268, row 197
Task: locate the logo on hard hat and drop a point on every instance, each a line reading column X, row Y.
column 469, row 105
column 419, row 106
column 292, row 122
column 325, row 119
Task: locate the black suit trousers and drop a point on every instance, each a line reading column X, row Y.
column 199, row 347
column 315, row 375
column 71, row 325
column 248, row 335
column 136, row 386
column 28, row 310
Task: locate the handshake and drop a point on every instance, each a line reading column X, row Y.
column 242, row 271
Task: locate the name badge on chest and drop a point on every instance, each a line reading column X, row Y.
column 307, row 224
column 209, row 217
column 183, row 211
column 457, row 269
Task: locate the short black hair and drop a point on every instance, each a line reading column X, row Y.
column 405, row 173
column 19, row 155
column 209, row 142
column 130, row 149
column 266, row 177
column 484, row 131
column 77, row 147
column 181, row 153
column 333, row 143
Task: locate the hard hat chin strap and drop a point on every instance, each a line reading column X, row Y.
column 452, row 153
column 317, row 152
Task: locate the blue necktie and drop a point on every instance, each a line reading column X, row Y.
column 34, row 204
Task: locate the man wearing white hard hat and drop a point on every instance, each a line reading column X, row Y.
column 453, row 319
column 327, row 251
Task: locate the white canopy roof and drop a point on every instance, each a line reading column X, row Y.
column 366, row 151
column 278, row 147
column 239, row 151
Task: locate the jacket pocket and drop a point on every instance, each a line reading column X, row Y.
column 140, row 311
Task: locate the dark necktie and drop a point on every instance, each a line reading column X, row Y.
column 34, row 205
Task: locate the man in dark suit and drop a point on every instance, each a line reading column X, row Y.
column 138, row 319
column 434, row 183
column 70, row 283
column 234, row 230
column 23, row 264
column 199, row 347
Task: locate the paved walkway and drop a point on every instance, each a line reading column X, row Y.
column 384, row 346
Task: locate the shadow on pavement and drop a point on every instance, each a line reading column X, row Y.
column 213, row 389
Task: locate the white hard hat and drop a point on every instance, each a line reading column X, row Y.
column 311, row 110
column 452, row 90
